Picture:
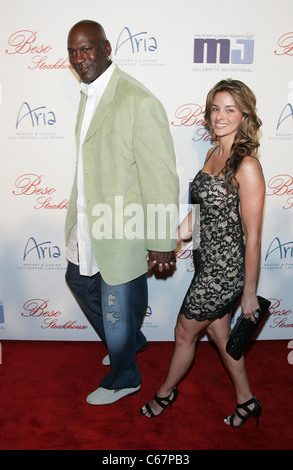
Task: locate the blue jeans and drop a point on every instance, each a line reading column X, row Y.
column 116, row 314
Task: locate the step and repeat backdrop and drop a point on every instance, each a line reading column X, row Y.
column 179, row 50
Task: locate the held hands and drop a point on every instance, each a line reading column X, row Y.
column 161, row 261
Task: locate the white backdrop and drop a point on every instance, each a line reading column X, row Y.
column 159, row 42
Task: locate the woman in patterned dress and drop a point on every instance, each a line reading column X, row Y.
column 230, row 191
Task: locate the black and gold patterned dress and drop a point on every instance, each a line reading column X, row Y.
column 219, row 258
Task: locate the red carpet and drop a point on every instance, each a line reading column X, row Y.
column 44, row 386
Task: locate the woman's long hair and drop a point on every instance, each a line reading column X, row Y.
column 246, row 141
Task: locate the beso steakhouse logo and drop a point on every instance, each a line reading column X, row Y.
column 30, row 185
column 281, row 185
column 38, row 308
column 25, row 42
column 285, row 44
column 280, row 316
column 185, row 253
column 191, row 114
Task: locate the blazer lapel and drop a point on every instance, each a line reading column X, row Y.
column 103, row 106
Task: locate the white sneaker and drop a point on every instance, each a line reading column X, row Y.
column 103, row 396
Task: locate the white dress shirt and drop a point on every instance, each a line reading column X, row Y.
column 79, row 249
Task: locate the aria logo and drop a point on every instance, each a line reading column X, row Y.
column 40, row 251
column 135, row 43
column 148, row 312
column 280, row 250
column 284, row 122
column 35, row 117
column 287, row 112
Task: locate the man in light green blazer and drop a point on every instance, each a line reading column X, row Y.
column 122, row 215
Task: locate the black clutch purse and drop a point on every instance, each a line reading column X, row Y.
column 244, row 329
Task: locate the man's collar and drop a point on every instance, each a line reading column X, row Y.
column 89, row 88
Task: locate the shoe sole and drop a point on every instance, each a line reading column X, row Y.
column 101, row 403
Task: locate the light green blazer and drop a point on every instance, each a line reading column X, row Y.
column 129, row 166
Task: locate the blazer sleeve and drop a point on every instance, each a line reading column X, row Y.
column 156, row 165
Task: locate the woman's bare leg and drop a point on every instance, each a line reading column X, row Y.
column 219, row 331
column 186, row 334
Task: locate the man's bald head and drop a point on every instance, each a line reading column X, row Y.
column 88, row 25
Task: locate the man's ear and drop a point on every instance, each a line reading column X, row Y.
column 108, row 48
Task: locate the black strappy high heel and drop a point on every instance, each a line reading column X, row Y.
column 162, row 402
column 254, row 413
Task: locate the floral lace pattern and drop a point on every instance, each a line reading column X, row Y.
column 219, row 259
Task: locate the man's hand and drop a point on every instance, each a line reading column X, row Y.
column 161, row 261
